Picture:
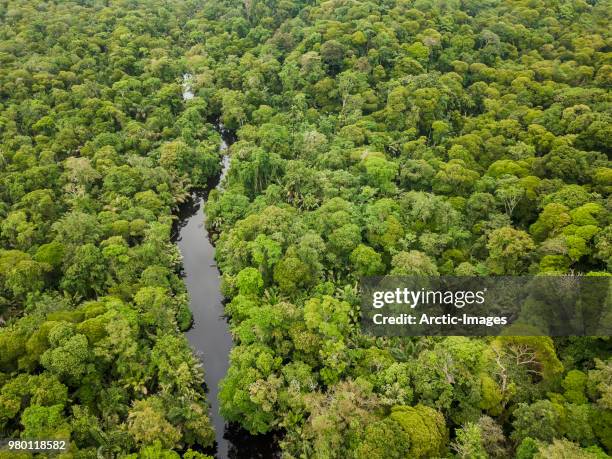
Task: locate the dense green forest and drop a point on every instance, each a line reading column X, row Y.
column 97, row 149
column 408, row 137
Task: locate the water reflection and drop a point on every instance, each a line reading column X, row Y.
column 209, row 336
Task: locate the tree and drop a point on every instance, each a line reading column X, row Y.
column 337, row 422
column 366, row 261
column 266, row 253
column 561, row 448
column 180, row 158
column 77, row 228
column 68, row 354
column 16, row 229
column 493, row 438
column 454, row 178
column 510, row 251
column 510, row 193
column 147, row 423
column 249, row 391
column 413, row 263
column 534, row 355
column 380, row 173
column 574, row 384
column 384, row 439
column 26, row 276
column 345, row 239
column 249, row 281
column 332, row 53
column 539, row 420
column 44, row 422
column 425, row 428
column 292, row 275
column 86, row 273
column 469, row 443
column 365, row 138
column 51, row 254
column 233, row 109
column 550, row 222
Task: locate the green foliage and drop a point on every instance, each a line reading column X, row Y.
column 51, row 254
column 413, row 263
column 384, row 439
column 493, row 438
column 366, row 261
column 44, row 422
column 249, row 282
column 509, row 251
column 539, row 420
column 68, row 355
column 372, row 138
column 339, row 420
column 96, row 149
column 492, row 397
column 249, row 392
column 291, row 275
column 425, row 427
column 560, row 449
column 147, row 423
column 469, row 443
column 527, row 449
column 574, row 384
column 380, row 173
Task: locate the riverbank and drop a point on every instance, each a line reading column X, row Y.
column 209, row 336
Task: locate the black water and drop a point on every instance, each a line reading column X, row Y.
column 209, row 336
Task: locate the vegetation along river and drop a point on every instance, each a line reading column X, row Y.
column 210, row 336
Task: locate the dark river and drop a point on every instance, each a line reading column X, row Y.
column 209, row 336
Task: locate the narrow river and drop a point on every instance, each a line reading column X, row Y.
column 209, row 336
